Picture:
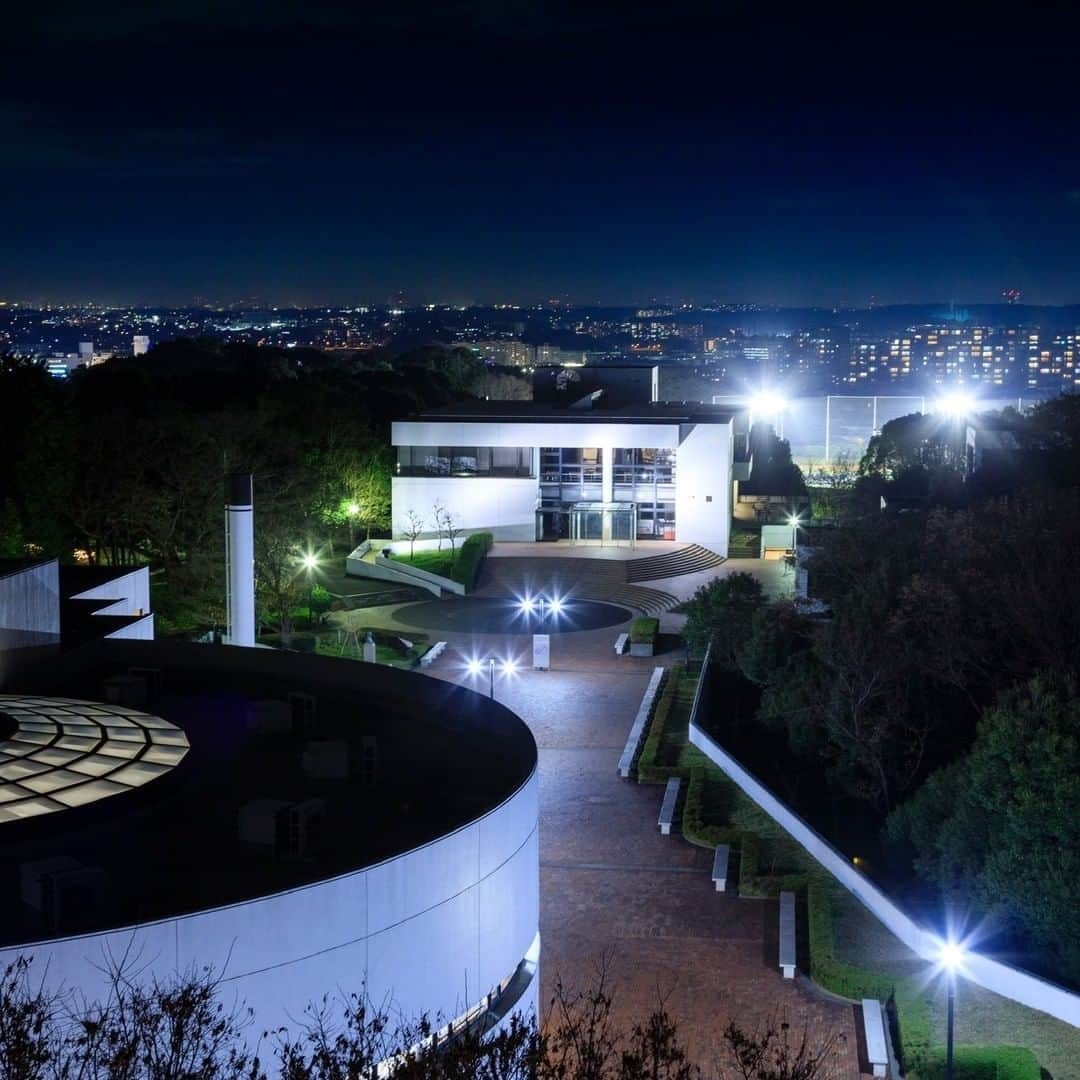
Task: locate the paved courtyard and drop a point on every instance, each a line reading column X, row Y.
column 613, row 887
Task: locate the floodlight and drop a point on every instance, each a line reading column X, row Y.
column 956, row 405
column 951, row 956
column 767, row 403
column 474, row 666
column 509, row 666
column 527, row 606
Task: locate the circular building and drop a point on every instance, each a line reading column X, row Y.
column 304, row 826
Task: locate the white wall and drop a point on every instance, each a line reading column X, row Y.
column 703, row 486
column 1009, row 982
column 130, row 593
column 482, row 433
column 502, row 505
column 433, row 930
column 30, row 599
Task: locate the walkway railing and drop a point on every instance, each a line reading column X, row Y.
column 1010, row 982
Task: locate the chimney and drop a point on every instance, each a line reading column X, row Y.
column 240, row 554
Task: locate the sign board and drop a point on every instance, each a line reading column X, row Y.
column 541, row 651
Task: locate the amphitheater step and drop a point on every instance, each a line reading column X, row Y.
column 688, row 560
column 647, row 601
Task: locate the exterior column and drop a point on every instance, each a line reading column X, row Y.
column 607, row 488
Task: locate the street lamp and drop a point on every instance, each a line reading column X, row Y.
column 475, row 668
column 352, row 511
column 769, row 405
column 310, row 562
column 794, row 521
column 951, row 956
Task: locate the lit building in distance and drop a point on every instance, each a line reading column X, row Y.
column 536, row 471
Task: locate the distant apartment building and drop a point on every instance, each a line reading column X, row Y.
column 507, row 353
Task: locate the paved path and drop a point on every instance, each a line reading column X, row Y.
column 612, row 886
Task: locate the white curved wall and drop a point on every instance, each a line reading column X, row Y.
column 434, row 930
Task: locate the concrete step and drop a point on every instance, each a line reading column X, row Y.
column 688, row 560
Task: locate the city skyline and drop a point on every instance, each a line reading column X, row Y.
column 474, row 153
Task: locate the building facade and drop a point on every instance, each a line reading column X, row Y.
column 527, row 471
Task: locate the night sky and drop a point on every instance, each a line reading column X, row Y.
column 472, row 152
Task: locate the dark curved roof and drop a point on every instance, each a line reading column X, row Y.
column 445, row 756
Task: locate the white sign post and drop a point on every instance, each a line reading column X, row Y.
column 541, row 651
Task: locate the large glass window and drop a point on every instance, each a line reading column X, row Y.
column 464, row 461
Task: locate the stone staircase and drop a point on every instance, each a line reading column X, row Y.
column 687, row 560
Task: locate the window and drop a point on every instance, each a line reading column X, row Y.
column 464, row 461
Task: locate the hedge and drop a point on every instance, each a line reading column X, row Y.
column 648, row 771
column 643, row 631
column 984, row 1063
column 469, row 557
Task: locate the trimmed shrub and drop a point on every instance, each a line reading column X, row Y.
column 984, row 1063
column 648, row 771
column 470, row 556
column 643, row 631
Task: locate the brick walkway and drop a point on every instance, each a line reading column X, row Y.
column 612, row 886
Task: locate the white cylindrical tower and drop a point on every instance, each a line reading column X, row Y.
column 240, row 552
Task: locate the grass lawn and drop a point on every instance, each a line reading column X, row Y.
column 982, row 1018
column 744, row 542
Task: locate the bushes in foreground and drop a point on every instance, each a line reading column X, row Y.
column 184, row 1029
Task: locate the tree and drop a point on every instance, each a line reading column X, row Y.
column 719, row 615
column 770, row 1053
column 1000, row 828
column 180, row 1029
column 370, row 487
column 437, row 519
column 452, row 528
column 412, row 528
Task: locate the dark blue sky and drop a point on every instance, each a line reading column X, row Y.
column 469, row 151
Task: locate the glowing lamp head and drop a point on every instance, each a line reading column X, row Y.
column 509, row 666
column 527, row 606
column 794, row 520
column 310, row 561
column 352, row 509
column 767, row 403
column 951, row 956
column 955, row 405
column 474, row 667
column 555, row 606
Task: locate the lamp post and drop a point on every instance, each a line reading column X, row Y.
column 491, row 677
column 310, row 563
column 951, row 960
column 794, row 521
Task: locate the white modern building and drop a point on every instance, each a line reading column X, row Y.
column 531, row 471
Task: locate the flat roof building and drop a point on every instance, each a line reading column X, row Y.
column 534, row 471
